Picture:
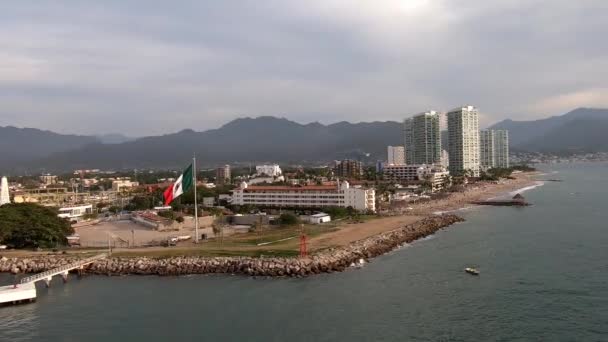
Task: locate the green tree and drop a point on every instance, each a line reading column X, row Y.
column 28, row 225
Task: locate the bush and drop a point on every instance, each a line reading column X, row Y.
column 169, row 214
column 288, row 219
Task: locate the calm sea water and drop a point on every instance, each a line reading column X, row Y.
column 544, row 277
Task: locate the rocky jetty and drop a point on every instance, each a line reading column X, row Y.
column 326, row 261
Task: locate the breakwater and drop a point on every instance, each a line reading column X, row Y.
column 325, row 261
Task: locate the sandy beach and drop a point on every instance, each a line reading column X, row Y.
column 475, row 192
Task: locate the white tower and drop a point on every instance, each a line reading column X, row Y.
column 4, row 197
column 463, row 141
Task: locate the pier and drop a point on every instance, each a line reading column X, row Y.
column 517, row 201
column 25, row 290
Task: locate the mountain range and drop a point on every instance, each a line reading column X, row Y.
column 272, row 139
column 581, row 130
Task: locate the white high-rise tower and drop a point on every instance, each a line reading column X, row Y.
column 463, row 141
column 4, row 196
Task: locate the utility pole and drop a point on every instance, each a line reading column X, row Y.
column 195, row 201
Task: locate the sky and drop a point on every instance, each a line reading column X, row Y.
column 153, row 67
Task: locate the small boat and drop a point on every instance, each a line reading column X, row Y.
column 472, row 271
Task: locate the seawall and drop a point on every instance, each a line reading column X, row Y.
column 326, row 261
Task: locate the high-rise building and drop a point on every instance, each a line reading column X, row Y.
column 396, row 155
column 463, row 141
column 348, row 168
column 222, row 175
column 494, row 148
column 423, row 138
column 4, row 195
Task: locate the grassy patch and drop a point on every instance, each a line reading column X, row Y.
column 177, row 252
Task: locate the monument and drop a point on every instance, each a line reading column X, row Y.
column 4, row 196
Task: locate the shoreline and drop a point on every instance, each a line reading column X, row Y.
column 480, row 192
column 325, row 261
column 326, row 258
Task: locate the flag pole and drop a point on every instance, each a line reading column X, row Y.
column 195, row 201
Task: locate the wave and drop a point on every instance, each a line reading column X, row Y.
column 454, row 210
column 527, row 188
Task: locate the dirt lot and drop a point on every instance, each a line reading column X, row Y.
column 348, row 233
column 97, row 235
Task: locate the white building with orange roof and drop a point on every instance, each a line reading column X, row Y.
column 310, row 196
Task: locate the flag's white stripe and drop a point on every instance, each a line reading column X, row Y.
column 177, row 187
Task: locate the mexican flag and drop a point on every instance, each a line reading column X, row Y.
column 181, row 185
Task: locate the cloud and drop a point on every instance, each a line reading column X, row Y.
column 150, row 67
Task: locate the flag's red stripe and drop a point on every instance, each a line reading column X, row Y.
column 168, row 195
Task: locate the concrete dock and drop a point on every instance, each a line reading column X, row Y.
column 12, row 294
column 26, row 289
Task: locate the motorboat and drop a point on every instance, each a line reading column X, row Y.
column 472, row 271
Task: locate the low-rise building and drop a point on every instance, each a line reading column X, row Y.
column 48, row 179
column 271, row 170
column 312, row 196
column 316, row 218
column 121, row 184
column 75, row 213
column 436, row 175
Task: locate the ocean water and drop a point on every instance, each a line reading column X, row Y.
column 544, row 277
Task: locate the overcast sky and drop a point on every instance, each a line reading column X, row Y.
column 150, row 67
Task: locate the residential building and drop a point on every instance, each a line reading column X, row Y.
column 311, row 196
column 438, row 176
column 121, row 184
column 272, row 170
column 445, row 159
column 494, row 148
column 348, row 169
column 48, row 179
column 222, row 175
column 423, row 138
column 396, row 155
column 4, row 194
column 463, row 141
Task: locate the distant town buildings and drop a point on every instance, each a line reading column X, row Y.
column 396, row 155
column 348, row 169
column 423, row 138
column 271, row 170
column 494, row 148
column 463, row 141
column 4, row 194
column 222, row 175
column 311, row 196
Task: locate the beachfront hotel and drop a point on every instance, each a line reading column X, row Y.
column 463, row 141
column 436, row 175
column 494, row 148
column 423, row 138
column 313, row 196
